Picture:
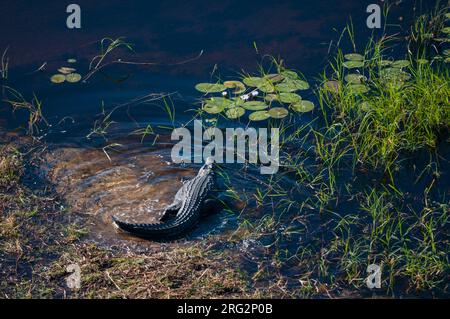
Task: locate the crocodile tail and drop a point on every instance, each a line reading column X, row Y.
column 142, row 230
column 128, row 227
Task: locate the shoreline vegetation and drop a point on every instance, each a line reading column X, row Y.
column 369, row 164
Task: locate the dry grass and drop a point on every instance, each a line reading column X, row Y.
column 180, row 273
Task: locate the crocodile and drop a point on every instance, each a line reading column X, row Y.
column 189, row 202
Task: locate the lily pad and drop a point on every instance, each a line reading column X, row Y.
column 290, row 85
column 355, row 78
column 235, row 112
column 404, row 76
column 332, row 86
column 238, row 86
column 275, row 78
column 266, row 86
column 290, row 74
column 422, row 61
column 73, row 77
column 271, row 97
column 354, row 57
column 446, row 30
column 253, row 81
column 58, row 78
column 278, row 112
column 213, row 108
column 391, row 71
column 262, row 84
column 394, row 74
column 303, row 106
column 400, row 64
column 255, row 105
column 237, row 101
column 66, row 70
column 210, row 87
column 259, row 116
column 353, row 64
column 290, row 98
column 383, row 63
column 221, row 102
column 358, row 88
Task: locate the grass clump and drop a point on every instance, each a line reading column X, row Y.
column 398, row 110
column 11, row 168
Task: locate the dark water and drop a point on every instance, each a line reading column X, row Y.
column 140, row 178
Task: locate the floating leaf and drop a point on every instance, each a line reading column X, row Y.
column 212, row 108
column 404, row 76
column 71, row 61
column 354, row 57
column 66, row 70
column 353, row 64
column 290, row 85
column 384, row 63
column 238, row 86
column 253, row 81
column 255, row 105
column 259, row 116
column 278, row 112
column 235, row 112
column 237, row 101
column 355, row 78
column 394, row 74
column 290, row 98
column 266, row 86
column 391, row 71
column 221, row 101
column 210, row 87
column 447, row 15
column 275, row 78
column 358, row 88
column 422, row 61
column 290, row 74
column 332, row 86
column 400, row 64
column 271, row 97
column 261, row 83
column 303, row 106
column 446, row 30
column 58, row 78
column 73, row 77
